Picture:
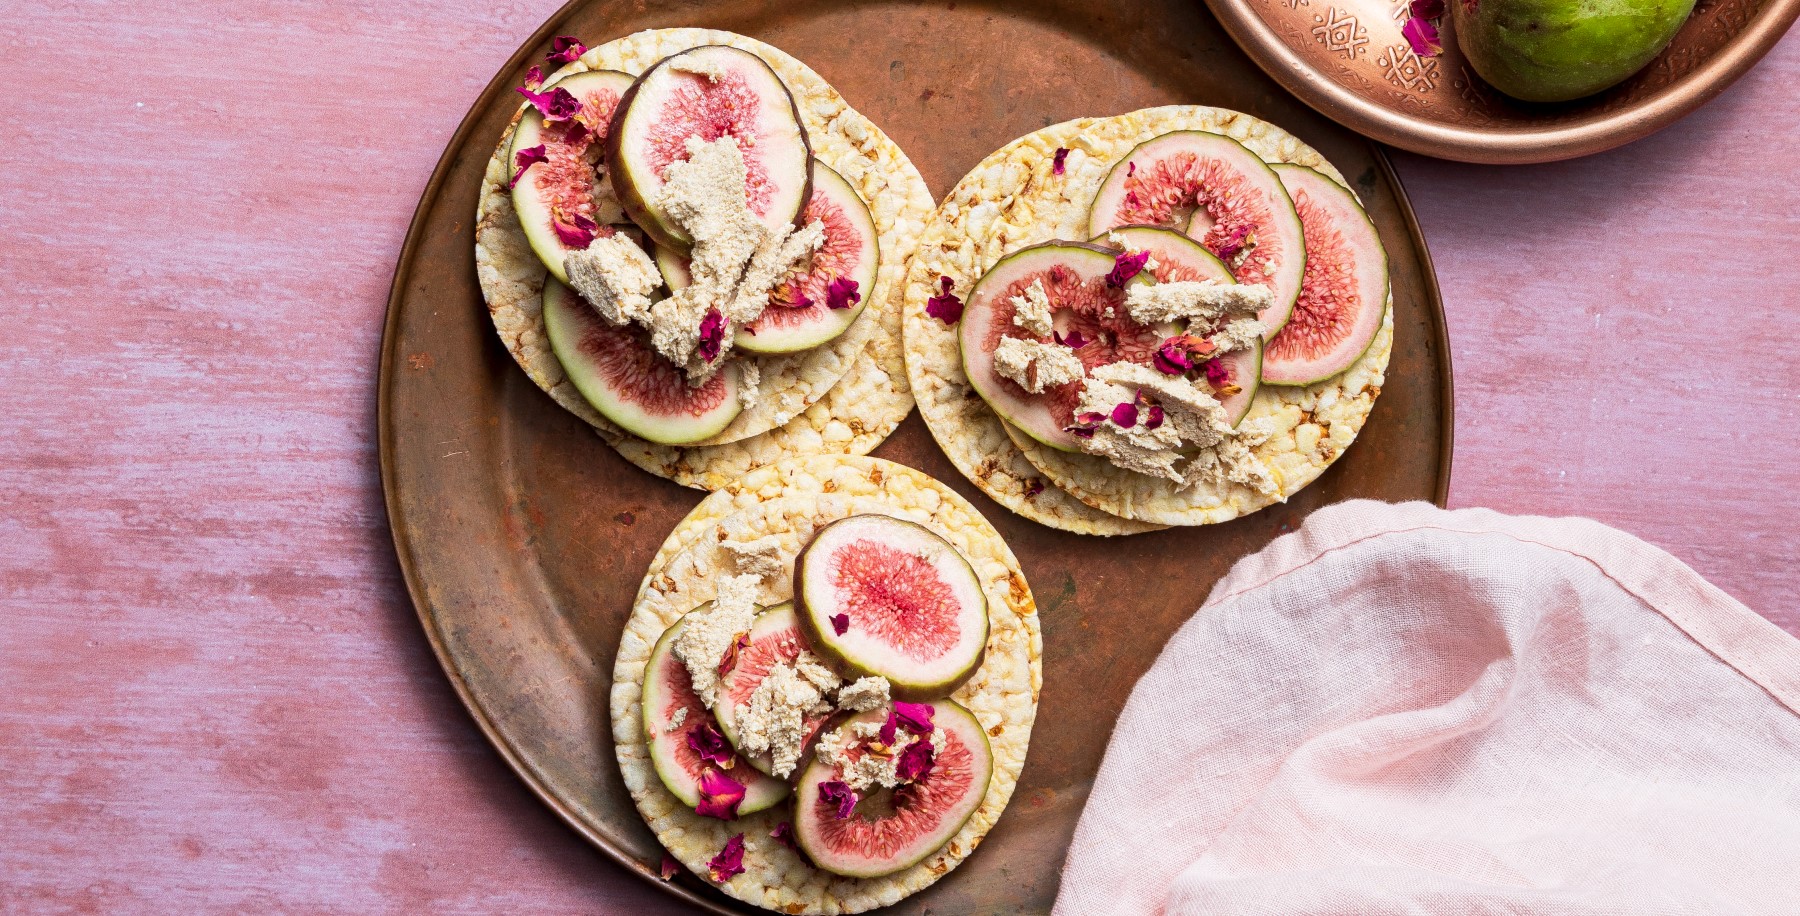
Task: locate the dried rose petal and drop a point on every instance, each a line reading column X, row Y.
column 1080, row 432
column 945, row 306
column 729, row 863
column 1056, row 164
column 712, row 335
column 534, row 77
column 784, row 834
column 1426, row 9
column 1234, row 243
column 1216, row 373
column 1423, row 36
column 1155, row 417
column 729, row 660
column 558, row 104
column 1074, row 341
column 916, row 760
column 720, row 795
column 1033, row 487
column 526, row 158
column 565, row 49
column 837, row 792
column 669, row 869
column 1125, row 266
column 1125, row 415
column 1130, row 169
column 1090, row 418
column 1172, row 358
column 914, row 717
column 574, row 132
column 841, row 294
column 709, row 744
column 840, row 623
column 576, row 232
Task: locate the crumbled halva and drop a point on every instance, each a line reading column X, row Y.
column 863, row 694
column 702, row 645
column 1201, row 303
column 774, row 721
column 615, row 276
column 876, row 766
column 1034, row 365
column 1031, row 310
column 1192, row 418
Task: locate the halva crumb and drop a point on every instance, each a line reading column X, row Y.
column 1192, row 418
column 1034, row 365
column 864, row 694
column 702, row 644
column 774, row 721
column 615, row 276
column 1202, row 303
column 1031, row 310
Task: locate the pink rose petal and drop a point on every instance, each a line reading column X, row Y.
column 556, row 105
column 841, row 294
column 525, row 159
column 914, row 717
column 1423, row 36
column 1233, row 243
column 720, row 795
column 1130, row 169
column 576, row 232
column 840, row 623
column 712, row 335
column 945, row 306
column 729, row 863
column 837, row 792
column 565, row 49
column 534, row 77
column 1125, row 266
column 1216, row 373
column 1155, row 417
column 1074, row 341
column 1056, row 164
column 784, row 834
column 1172, row 358
column 709, row 744
column 670, row 868
column 1033, row 487
column 916, row 760
column 1125, row 415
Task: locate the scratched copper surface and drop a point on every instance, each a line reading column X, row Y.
column 522, row 556
column 1348, row 59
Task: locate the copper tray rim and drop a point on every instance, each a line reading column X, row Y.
column 404, row 551
column 1506, row 146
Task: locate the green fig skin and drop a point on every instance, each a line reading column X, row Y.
column 1558, row 50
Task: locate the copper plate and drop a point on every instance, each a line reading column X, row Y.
column 522, row 537
column 1347, row 59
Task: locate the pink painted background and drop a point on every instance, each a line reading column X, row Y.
column 213, row 692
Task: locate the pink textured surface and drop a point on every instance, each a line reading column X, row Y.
column 215, row 690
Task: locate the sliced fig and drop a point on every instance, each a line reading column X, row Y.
column 1175, row 256
column 571, row 181
column 1344, row 293
column 890, row 830
column 669, row 688
column 708, row 92
column 775, row 638
column 627, row 381
column 1225, row 196
column 910, row 607
column 851, row 251
column 1081, row 302
column 1242, row 371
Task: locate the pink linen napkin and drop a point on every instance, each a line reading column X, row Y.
column 1399, row 709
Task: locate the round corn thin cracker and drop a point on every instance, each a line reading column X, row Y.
column 791, row 501
column 858, row 376
column 1012, row 200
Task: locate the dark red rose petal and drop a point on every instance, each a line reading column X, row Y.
column 526, row 158
column 1216, row 373
column 556, row 105
column 841, row 294
column 712, row 335
column 1125, row 415
column 1233, row 243
column 784, row 834
column 720, row 795
column 1172, row 359
column 729, row 863
column 1033, row 487
column 1423, row 36
column 945, row 306
column 1056, row 164
column 1426, row 9
column 837, row 792
column 710, row 745
column 1155, row 417
column 916, row 760
column 670, row 868
column 840, row 623
column 1126, row 266
column 565, row 49
column 1074, row 341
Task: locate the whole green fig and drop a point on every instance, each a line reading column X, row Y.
column 1556, row 50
